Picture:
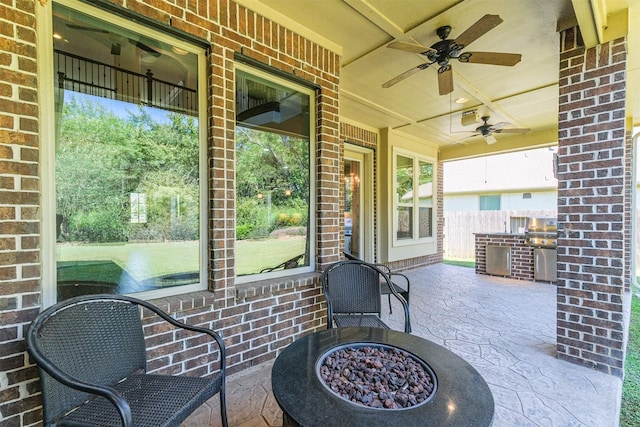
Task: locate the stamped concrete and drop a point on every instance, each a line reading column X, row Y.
column 505, row 328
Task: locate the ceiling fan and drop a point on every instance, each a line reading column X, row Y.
column 487, row 131
column 447, row 49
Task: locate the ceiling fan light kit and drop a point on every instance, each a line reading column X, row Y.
column 446, row 49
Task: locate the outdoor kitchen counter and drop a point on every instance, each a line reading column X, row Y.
column 521, row 255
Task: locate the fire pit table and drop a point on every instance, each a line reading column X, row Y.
column 460, row 396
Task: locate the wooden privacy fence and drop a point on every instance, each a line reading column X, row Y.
column 460, row 226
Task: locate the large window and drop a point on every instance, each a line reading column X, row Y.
column 414, row 198
column 274, row 133
column 128, row 157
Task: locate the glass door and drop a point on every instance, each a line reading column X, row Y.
column 352, row 175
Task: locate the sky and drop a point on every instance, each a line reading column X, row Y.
column 530, row 169
column 120, row 108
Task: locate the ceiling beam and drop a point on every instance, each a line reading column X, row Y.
column 601, row 21
column 375, row 106
column 376, row 17
column 394, row 31
column 491, row 102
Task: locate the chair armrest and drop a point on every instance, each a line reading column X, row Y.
column 183, row 325
column 405, row 305
column 404, row 277
column 385, row 269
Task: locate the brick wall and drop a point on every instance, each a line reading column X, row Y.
column 19, row 210
column 521, row 255
column 594, row 157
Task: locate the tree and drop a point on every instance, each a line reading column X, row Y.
column 270, row 165
column 101, row 158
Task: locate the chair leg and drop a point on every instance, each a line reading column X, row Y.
column 223, row 408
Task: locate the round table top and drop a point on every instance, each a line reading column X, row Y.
column 462, row 396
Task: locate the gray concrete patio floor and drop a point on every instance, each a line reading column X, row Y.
column 505, row 328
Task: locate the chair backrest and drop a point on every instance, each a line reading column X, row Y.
column 352, row 287
column 350, row 256
column 94, row 338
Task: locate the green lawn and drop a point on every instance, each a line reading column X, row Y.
column 630, row 408
column 460, row 262
column 140, row 260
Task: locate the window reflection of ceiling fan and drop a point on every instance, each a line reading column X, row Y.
column 487, row 131
column 447, row 49
column 115, row 47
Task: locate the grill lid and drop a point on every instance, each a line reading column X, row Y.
column 544, row 225
column 541, row 232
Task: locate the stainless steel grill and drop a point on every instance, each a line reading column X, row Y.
column 541, row 233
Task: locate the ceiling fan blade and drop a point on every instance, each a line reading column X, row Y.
column 144, row 47
column 404, row 75
column 85, row 28
column 410, row 47
column 465, row 138
column 445, row 80
column 481, row 27
column 498, row 126
column 513, row 130
column 492, row 58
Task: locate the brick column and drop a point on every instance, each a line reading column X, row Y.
column 593, row 156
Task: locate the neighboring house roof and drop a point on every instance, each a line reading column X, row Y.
column 424, row 191
column 518, row 171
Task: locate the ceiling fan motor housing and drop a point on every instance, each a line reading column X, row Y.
column 443, row 51
column 485, row 129
column 443, row 32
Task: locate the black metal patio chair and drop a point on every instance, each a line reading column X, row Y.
column 352, row 291
column 290, row 263
column 386, row 290
column 91, row 355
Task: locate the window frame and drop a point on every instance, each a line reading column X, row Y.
column 46, row 85
column 415, row 204
column 264, row 72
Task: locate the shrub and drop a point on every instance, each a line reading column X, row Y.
column 297, row 219
column 243, row 231
column 97, row 226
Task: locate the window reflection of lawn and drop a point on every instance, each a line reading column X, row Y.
column 159, row 264
column 255, row 255
column 125, row 268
